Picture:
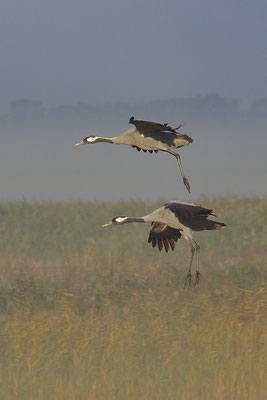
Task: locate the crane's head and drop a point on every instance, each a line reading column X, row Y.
column 88, row 139
column 116, row 221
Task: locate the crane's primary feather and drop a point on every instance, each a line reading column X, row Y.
column 162, row 234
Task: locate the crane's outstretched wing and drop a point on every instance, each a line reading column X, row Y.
column 162, row 234
column 149, row 128
column 194, row 217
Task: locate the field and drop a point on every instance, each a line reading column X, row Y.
column 91, row 313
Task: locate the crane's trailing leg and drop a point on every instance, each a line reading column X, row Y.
column 197, row 269
column 189, row 276
column 178, row 158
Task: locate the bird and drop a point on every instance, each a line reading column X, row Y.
column 149, row 136
column 171, row 222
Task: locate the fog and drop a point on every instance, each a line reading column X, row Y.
column 38, row 160
column 69, row 69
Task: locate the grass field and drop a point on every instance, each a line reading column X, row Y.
column 98, row 314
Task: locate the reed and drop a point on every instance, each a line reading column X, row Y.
column 91, row 314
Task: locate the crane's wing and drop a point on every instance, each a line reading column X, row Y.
column 162, row 234
column 192, row 216
column 149, row 128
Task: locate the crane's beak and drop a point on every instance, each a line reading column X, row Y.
column 105, row 225
column 78, row 144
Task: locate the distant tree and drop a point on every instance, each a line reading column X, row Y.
column 25, row 106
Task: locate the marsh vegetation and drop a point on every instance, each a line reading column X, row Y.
column 98, row 314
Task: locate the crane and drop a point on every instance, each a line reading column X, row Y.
column 171, row 222
column 149, row 136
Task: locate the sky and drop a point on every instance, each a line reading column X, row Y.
column 120, row 51
column 102, row 51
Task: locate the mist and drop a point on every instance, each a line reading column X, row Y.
column 39, row 163
column 69, row 69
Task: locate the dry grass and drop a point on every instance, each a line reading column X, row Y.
column 110, row 321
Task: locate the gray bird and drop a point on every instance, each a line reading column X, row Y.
column 149, row 136
column 171, row 222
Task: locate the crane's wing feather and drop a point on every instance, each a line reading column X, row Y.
column 194, row 217
column 149, row 128
column 162, row 234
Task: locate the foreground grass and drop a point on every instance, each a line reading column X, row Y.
column 109, row 321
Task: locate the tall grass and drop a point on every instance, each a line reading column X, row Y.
column 92, row 314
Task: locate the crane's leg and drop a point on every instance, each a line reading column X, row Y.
column 189, row 276
column 197, row 268
column 178, row 158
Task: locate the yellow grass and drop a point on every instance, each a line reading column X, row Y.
column 113, row 323
column 124, row 339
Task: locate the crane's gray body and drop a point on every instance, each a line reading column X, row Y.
column 156, row 140
column 165, row 216
column 186, row 217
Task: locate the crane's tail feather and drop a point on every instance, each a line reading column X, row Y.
column 186, row 137
column 208, row 224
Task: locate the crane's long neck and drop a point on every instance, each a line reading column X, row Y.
column 127, row 137
column 126, row 220
column 114, row 140
column 103, row 139
column 135, row 220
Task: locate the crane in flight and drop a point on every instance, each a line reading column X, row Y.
column 171, row 222
column 149, row 136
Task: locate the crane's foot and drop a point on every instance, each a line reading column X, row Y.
column 188, row 280
column 197, row 279
column 186, row 183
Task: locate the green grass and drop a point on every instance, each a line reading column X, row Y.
column 87, row 313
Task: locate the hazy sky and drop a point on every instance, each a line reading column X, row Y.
column 97, row 51
column 112, row 51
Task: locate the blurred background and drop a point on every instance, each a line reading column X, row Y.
column 73, row 69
